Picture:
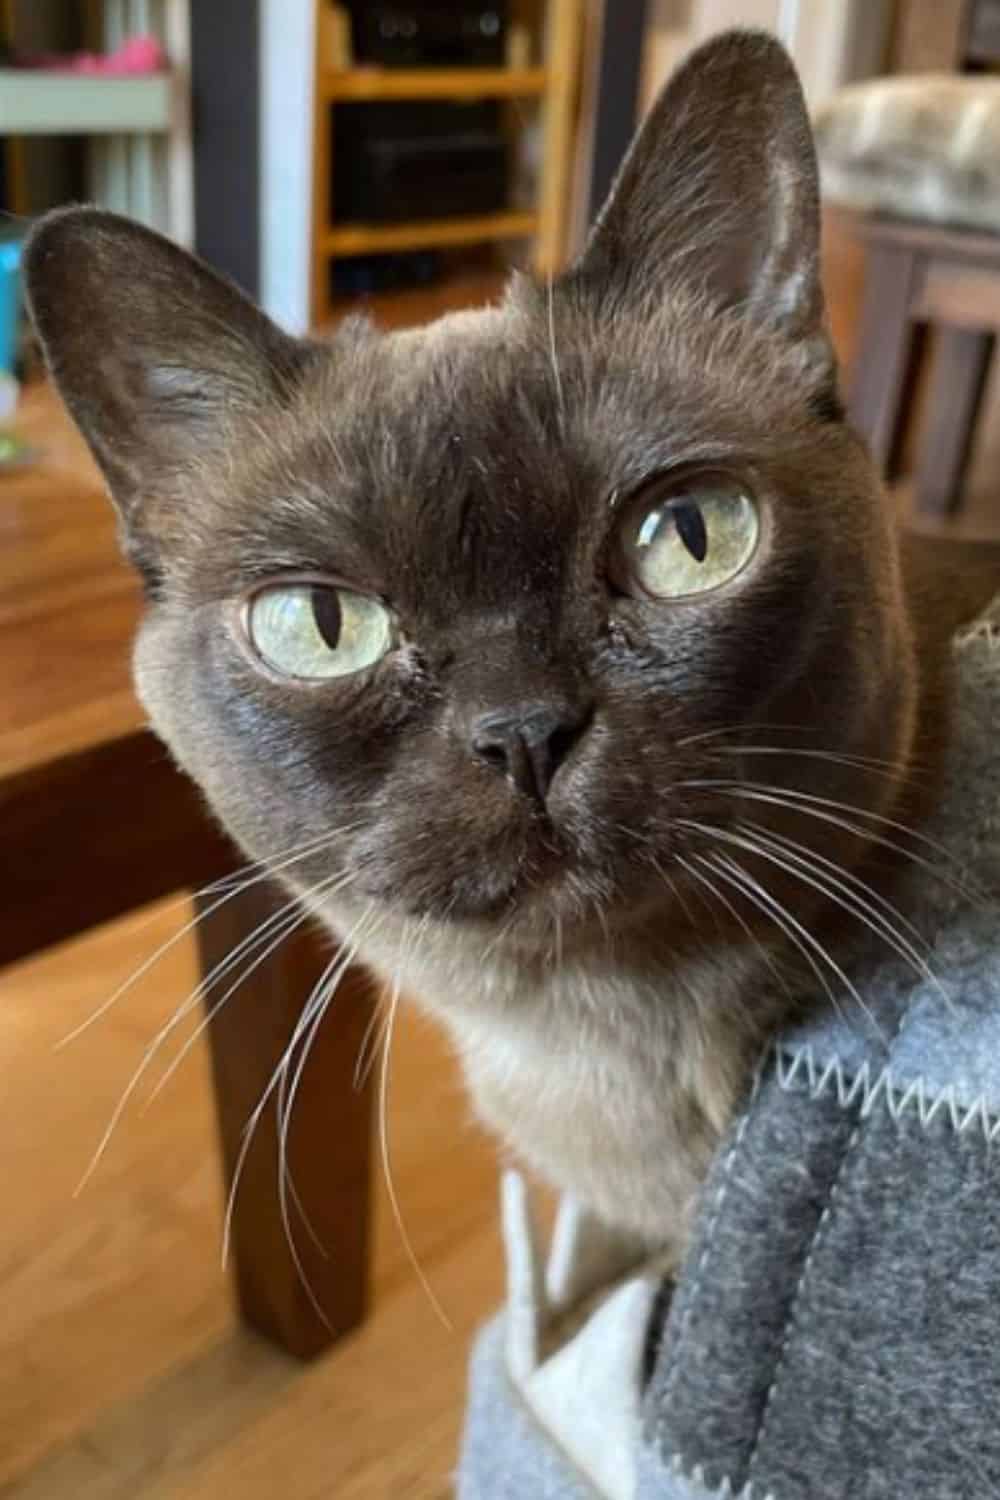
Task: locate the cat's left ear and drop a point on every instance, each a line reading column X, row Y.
column 719, row 192
column 159, row 359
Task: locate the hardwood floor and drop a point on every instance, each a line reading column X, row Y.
column 122, row 1372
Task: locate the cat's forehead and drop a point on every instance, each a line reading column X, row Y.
column 473, row 393
column 459, row 367
column 495, row 443
column 451, row 336
column 540, row 378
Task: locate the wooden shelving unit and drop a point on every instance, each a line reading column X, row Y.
column 432, row 83
column 364, row 239
column 553, row 85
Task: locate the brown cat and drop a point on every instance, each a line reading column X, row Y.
column 567, row 639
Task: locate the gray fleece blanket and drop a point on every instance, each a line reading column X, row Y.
column 835, row 1331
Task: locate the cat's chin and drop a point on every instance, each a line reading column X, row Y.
column 541, row 912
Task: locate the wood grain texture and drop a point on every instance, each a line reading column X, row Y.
column 301, row 1255
column 881, row 379
column 433, row 83
column 958, row 380
column 123, row 1372
column 68, row 604
column 97, row 821
column 937, row 292
column 564, row 34
column 374, row 239
column 56, row 825
column 957, row 244
column 959, row 294
column 929, row 35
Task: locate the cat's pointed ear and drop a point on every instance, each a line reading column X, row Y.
column 719, row 190
column 156, row 356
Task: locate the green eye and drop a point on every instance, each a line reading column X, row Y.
column 690, row 539
column 314, row 631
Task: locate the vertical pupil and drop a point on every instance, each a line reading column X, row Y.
column 326, row 613
column 690, row 525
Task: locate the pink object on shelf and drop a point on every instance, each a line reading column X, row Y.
column 139, row 55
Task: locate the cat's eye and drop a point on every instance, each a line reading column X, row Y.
column 686, row 537
column 315, row 631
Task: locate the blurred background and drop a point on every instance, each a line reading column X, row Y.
column 402, row 157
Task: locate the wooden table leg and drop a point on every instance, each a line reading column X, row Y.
column 884, row 360
column 329, row 1138
column 958, row 379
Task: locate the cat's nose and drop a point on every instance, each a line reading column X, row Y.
column 527, row 744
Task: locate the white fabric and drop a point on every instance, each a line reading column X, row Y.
column 585, row 1393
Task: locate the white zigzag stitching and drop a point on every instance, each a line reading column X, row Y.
column 725, row 1490
column 801, row 1067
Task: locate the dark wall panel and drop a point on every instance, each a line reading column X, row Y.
column 619, row 76
column 225, row 70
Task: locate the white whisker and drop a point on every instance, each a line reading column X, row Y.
column 886, row 768
column 249, row 1129
column 293, row 920
column 723, row 730
column 383, row 1132
column 326, row 987
column 372, row 1044
column 286, row 914
column 368, row 1050
column 229, row 892
column 738, row 918
column 862, row 887
column 553, row 356
column 808, row 937
column 804, row 803
column 149, row 1054
column 323, row 996
column 734, row 875
column 849, row 901
column 856, row 810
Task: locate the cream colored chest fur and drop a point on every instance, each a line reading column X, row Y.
column 609, row 1083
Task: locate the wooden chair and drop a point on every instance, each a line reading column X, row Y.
column 921, row 276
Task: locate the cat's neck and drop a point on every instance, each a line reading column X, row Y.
column 611, row 1072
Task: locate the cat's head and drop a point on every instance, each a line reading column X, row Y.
column 482, row 611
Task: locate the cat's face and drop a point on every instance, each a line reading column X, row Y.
column 473, row 609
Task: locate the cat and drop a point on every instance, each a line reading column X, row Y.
column 560, row 655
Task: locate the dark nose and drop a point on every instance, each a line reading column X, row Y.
column 528, row 743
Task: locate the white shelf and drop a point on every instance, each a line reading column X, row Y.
column 37, row 102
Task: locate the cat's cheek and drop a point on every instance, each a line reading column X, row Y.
column 153, row 683
column 183, row 687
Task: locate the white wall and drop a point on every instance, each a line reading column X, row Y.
column 287, row 50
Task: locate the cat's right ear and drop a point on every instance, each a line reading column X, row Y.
column 157, row 357
column 719, row 194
